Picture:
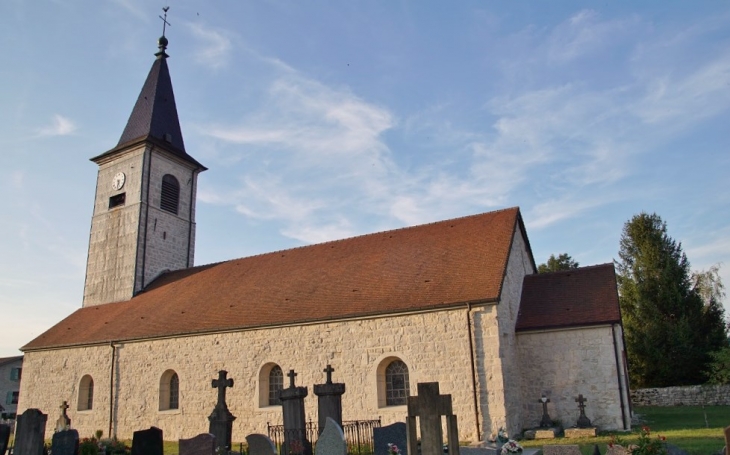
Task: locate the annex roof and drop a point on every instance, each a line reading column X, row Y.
column 7, row 360
column 571, row 298
column 427, row 267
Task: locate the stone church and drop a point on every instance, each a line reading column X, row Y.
column 456, row 301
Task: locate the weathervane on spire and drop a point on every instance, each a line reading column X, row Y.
column 164, row 20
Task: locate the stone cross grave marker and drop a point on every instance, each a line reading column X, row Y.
column 259, row 444
column 4, row 437
column 63, row 422
column 202, row 444
column 147, row 442
column 329, row 400
column 331, row 441
column 390, row 434
column 30, row 433
column 583, row 421
column 65, row 442
column 565, row 449
column 292, row 406
column 546, row 421
column 429, row 406
column 221, row 419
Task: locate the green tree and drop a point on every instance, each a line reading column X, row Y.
column 670, row 332
column 556, row 264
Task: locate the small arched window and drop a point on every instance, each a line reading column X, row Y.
column 169, row 391
column 170, row 194
column 397, row 387
column 276, row 383
column 86, row 393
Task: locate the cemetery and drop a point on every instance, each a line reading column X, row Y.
column 430, row 428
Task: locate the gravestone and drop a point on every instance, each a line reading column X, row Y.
column 583, row 421
column 30, row 433
column 390, row 434
column 332, row 440
column 429, row 406
column 557, row 449
column 329, row 400
column 4, row 437
column 546, row 421
column 65, row 442
column 147, row 442
column 63, row 422
column 259, row 444
column 221, row 419
column 202, row 444
column 292, row 405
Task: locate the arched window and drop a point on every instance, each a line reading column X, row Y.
column 397, row 387
column 86, row 393
column 169, row 391
column 271, row 381
column 276, row 383
column 170, row 194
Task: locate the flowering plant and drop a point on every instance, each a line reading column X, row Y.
column 511, row 446
column 648, row 446
column 393, row 449
column 296, row 447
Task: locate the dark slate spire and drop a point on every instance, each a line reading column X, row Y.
column 154, row 116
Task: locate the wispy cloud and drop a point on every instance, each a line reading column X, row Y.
column 214, row 46
column 60, row 126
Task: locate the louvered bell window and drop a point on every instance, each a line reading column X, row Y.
column 170, row 195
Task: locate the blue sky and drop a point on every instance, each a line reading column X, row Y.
column 322, row 120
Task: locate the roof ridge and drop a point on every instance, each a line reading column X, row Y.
column 585, row 267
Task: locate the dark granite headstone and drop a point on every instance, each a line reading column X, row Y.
column 221, row 419
column 329, row 400
column 259, row 444
column 202, row 444
column 65, row 442
column 391, row 434
column 147, row 442
column 428, row 407
column 583, row 421
column 292, row 405
column 561, row 449
column 332, row 440
column 30, row 433
column 4, row 437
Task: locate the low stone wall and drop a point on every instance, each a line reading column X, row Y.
column 695, row 395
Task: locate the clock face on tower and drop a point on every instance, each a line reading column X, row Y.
column 118, row 181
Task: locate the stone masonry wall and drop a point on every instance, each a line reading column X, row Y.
column 695, row 395
column 435, row 346
column 564, row 363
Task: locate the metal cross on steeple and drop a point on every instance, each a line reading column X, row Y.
column 164, row 20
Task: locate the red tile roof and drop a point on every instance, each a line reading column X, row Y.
column 579, row 297
column 418, row 268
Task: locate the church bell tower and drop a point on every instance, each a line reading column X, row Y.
column 144, row 211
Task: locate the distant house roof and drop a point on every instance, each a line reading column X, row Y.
column 426, row 267
column 578, row 297
column 7, row 360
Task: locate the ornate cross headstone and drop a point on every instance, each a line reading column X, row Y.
column 329, row 400
column 221, row 419
column 65, row 442
column 292, row 405
column 583, row 421
column 429, row 406
column 546, row 421
column 63, row 422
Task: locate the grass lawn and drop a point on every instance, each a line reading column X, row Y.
column 697, row 431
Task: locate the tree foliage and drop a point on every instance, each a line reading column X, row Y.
column 670, row 331
column 556, row 264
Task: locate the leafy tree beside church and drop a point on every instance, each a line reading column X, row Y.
column 556, row 264
column 670, row 331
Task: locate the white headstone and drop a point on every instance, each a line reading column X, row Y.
column 331, row 441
